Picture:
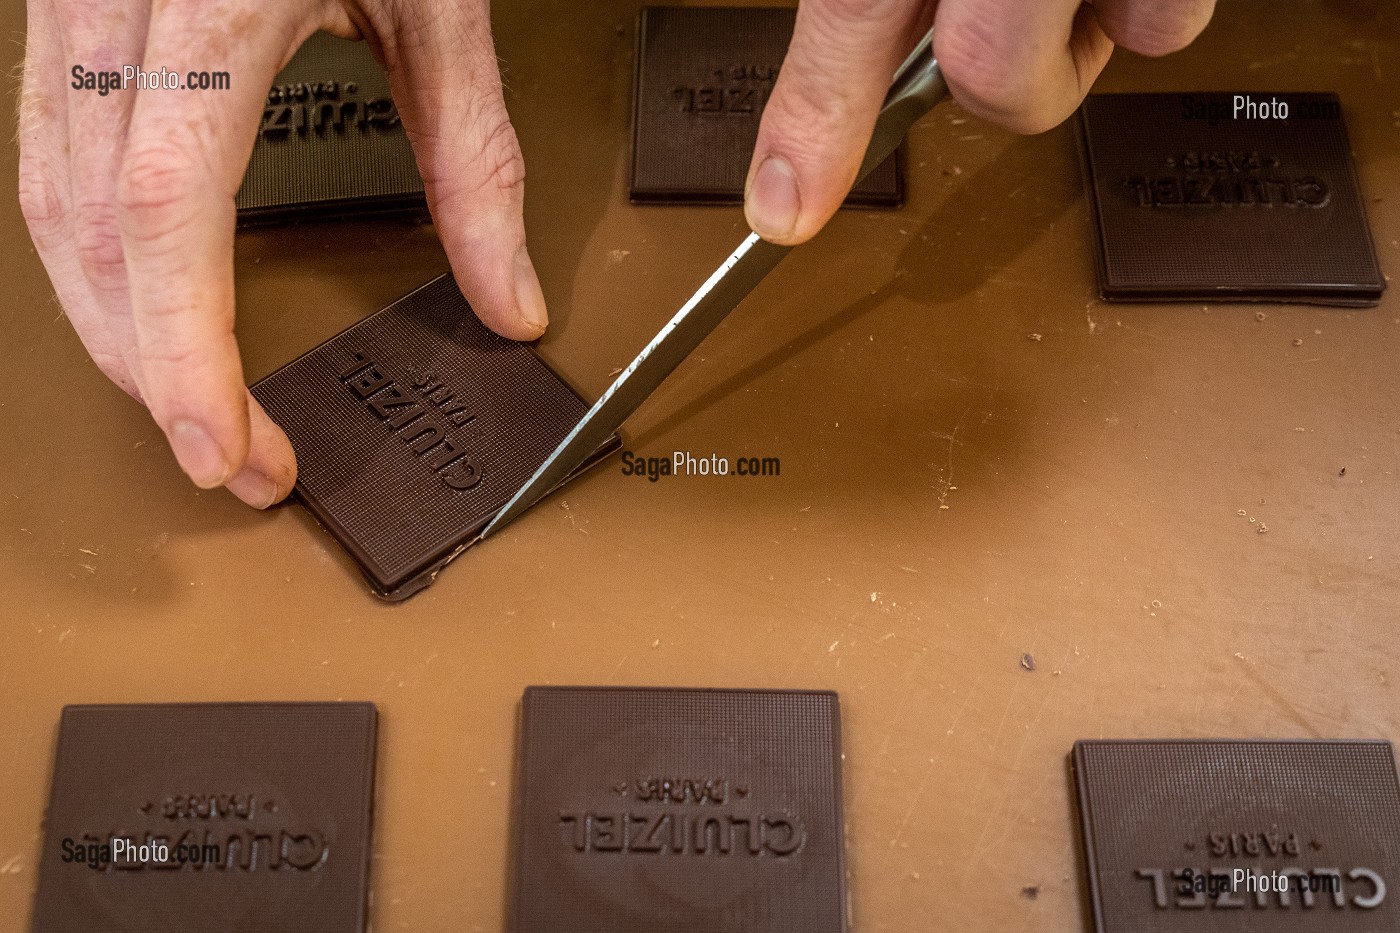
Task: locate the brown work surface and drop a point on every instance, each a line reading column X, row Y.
column 980, row 460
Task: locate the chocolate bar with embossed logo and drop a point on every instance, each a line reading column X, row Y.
column 703, row 78
column 209, row 818
column 413, row 428
column 330, row 142
column 641, row 810
column 1215, row 836
column 1227, row 197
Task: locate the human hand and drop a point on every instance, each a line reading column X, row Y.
column 129, row 195
column 1025, row 64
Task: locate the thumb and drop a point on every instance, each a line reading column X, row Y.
column 448, row 88
column 817, row 124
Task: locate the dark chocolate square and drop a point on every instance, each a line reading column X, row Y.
column 263, row 810
column 651, row 810
column 413, row 428
column 330, row 142
column 703, row 77
column 1191, row 203
column 1166, row 824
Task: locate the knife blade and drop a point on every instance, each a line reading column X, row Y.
column 918, row 85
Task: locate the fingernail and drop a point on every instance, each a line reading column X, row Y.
column 254, row 488
column 198, row 454
column 773, row 202
column 528, row 294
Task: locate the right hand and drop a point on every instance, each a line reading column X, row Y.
column 1025, row 64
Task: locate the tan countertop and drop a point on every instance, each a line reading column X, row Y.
column 1091, row 479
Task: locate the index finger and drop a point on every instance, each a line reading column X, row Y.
column 184, row 160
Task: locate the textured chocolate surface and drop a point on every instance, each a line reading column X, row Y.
column 1096, row 470
column 413, row 428
column 264, row 809
column 330, row 142
column 703, row 78
column 679, row 811
column 1166, row 824
column 1192, row 203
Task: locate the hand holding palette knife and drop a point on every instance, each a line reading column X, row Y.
column 918, row 85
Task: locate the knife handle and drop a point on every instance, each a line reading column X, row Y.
column 918, row 85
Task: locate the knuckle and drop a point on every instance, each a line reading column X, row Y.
column 852, row 11
column 78, row 13
column 154, row 184
column 491, row 163
column 500, row 153
column 161, row 353
column 806, row 107
column 974, row 61
column 806, row 111
column 1161, row 30
column 40, row 203
column 867, row 17
column 820, row 82
column 99, row 244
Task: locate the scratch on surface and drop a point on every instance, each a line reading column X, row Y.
column 958, row 715
column 1005, row 714
column 978, row 848
column 948, row 472
column 1139, row 330
column 1279, row 699
column 1239, row 688
column 913, row 803
column 570, row 516
column 1012, row 823
column 904, row 696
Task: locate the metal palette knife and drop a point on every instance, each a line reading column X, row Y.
column 918, row 85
